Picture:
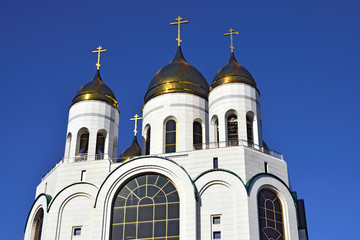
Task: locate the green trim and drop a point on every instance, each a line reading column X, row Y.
column 222, row 170
column 250, row 182
column 140, row 157
column 48, row 199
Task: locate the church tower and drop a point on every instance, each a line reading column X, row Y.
column 203, row 171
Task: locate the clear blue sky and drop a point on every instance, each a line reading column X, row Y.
column 304, row 56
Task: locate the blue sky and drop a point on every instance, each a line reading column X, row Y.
column 304, row 56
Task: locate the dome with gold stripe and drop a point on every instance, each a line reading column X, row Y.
column 96, row 89
column 233, row 72
column 177, row 76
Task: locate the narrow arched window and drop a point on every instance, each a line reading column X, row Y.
column 147, row 141
column 38, row 222
column 249, row 129
column 100, row 146
column 68, row 146
column 84, row 143
column 146, row 207
column 197, row 135
column 271, row 221
column 217, row 132
column 170, row 136
column 232, row 130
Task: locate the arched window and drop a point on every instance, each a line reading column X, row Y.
column 68, row 146
column 100, row 146
column 249, row 128
column 232, row 130
column 217, row 132
column 84, row 143
column 271, row 221
column 170, row 136
column 147, row 207
column 197, row 135
column 38, row 222
column 147, row 141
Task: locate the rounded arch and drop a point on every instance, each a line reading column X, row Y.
column 250, row 116
column 198, row 129
column 37, row 223
column 170, row 134
column 147, row 141
column 142, row 165
column 68, row 145
column 268, row 181
column 151, row 200
column 101, row 138
column 214, row 132
column 82, row 144
column 232, row 128
column 41, row 202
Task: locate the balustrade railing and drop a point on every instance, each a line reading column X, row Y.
column 240, row 142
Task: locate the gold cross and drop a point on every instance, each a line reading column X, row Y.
column 178, row 23
column 231, row 33
column 99, row 50
column 136, row 117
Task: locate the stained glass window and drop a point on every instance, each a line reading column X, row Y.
column 270, row 215
column 147, row 207
column 170, row 136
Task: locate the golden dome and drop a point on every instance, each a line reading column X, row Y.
column 233, row 72
column 177, row 76
column 132, row 151
column 96, row 89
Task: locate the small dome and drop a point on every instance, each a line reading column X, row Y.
column 178, row 76
column 96, row 89
column 132, row 151
column 233, row 72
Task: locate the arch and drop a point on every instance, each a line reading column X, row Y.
column 287, row 198
column 100, row 144
column 146, row 206
column 250, row 128
column 82, row 144
column 37, row 224
column 215, row 123
column 143, row 165
column 68, row 146
column 147, row 139
column 232, row 131
column 170, row 128
column 270, row 211
column 197, row 134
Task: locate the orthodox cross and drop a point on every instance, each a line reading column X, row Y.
column 178, row 22
column 99, row 50
column 231, row 33
column 136, row 117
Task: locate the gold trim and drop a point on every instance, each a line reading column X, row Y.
column 180, row 90
column 172, row 82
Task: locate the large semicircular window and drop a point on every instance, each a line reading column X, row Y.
column 146, row 207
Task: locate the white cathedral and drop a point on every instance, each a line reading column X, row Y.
column 203, row 171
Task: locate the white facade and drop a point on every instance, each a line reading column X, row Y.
column 218, row 185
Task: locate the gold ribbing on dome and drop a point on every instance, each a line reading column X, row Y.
column 231, row 33
column 99, row 50
column 178, row 22
column 136, row 118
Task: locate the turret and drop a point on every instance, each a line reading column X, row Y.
column 234, row 106
column 93, row 123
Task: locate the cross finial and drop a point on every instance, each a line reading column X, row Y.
column 178, row 22
column 136, row 117
column 99, row 50
column 231, row 33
